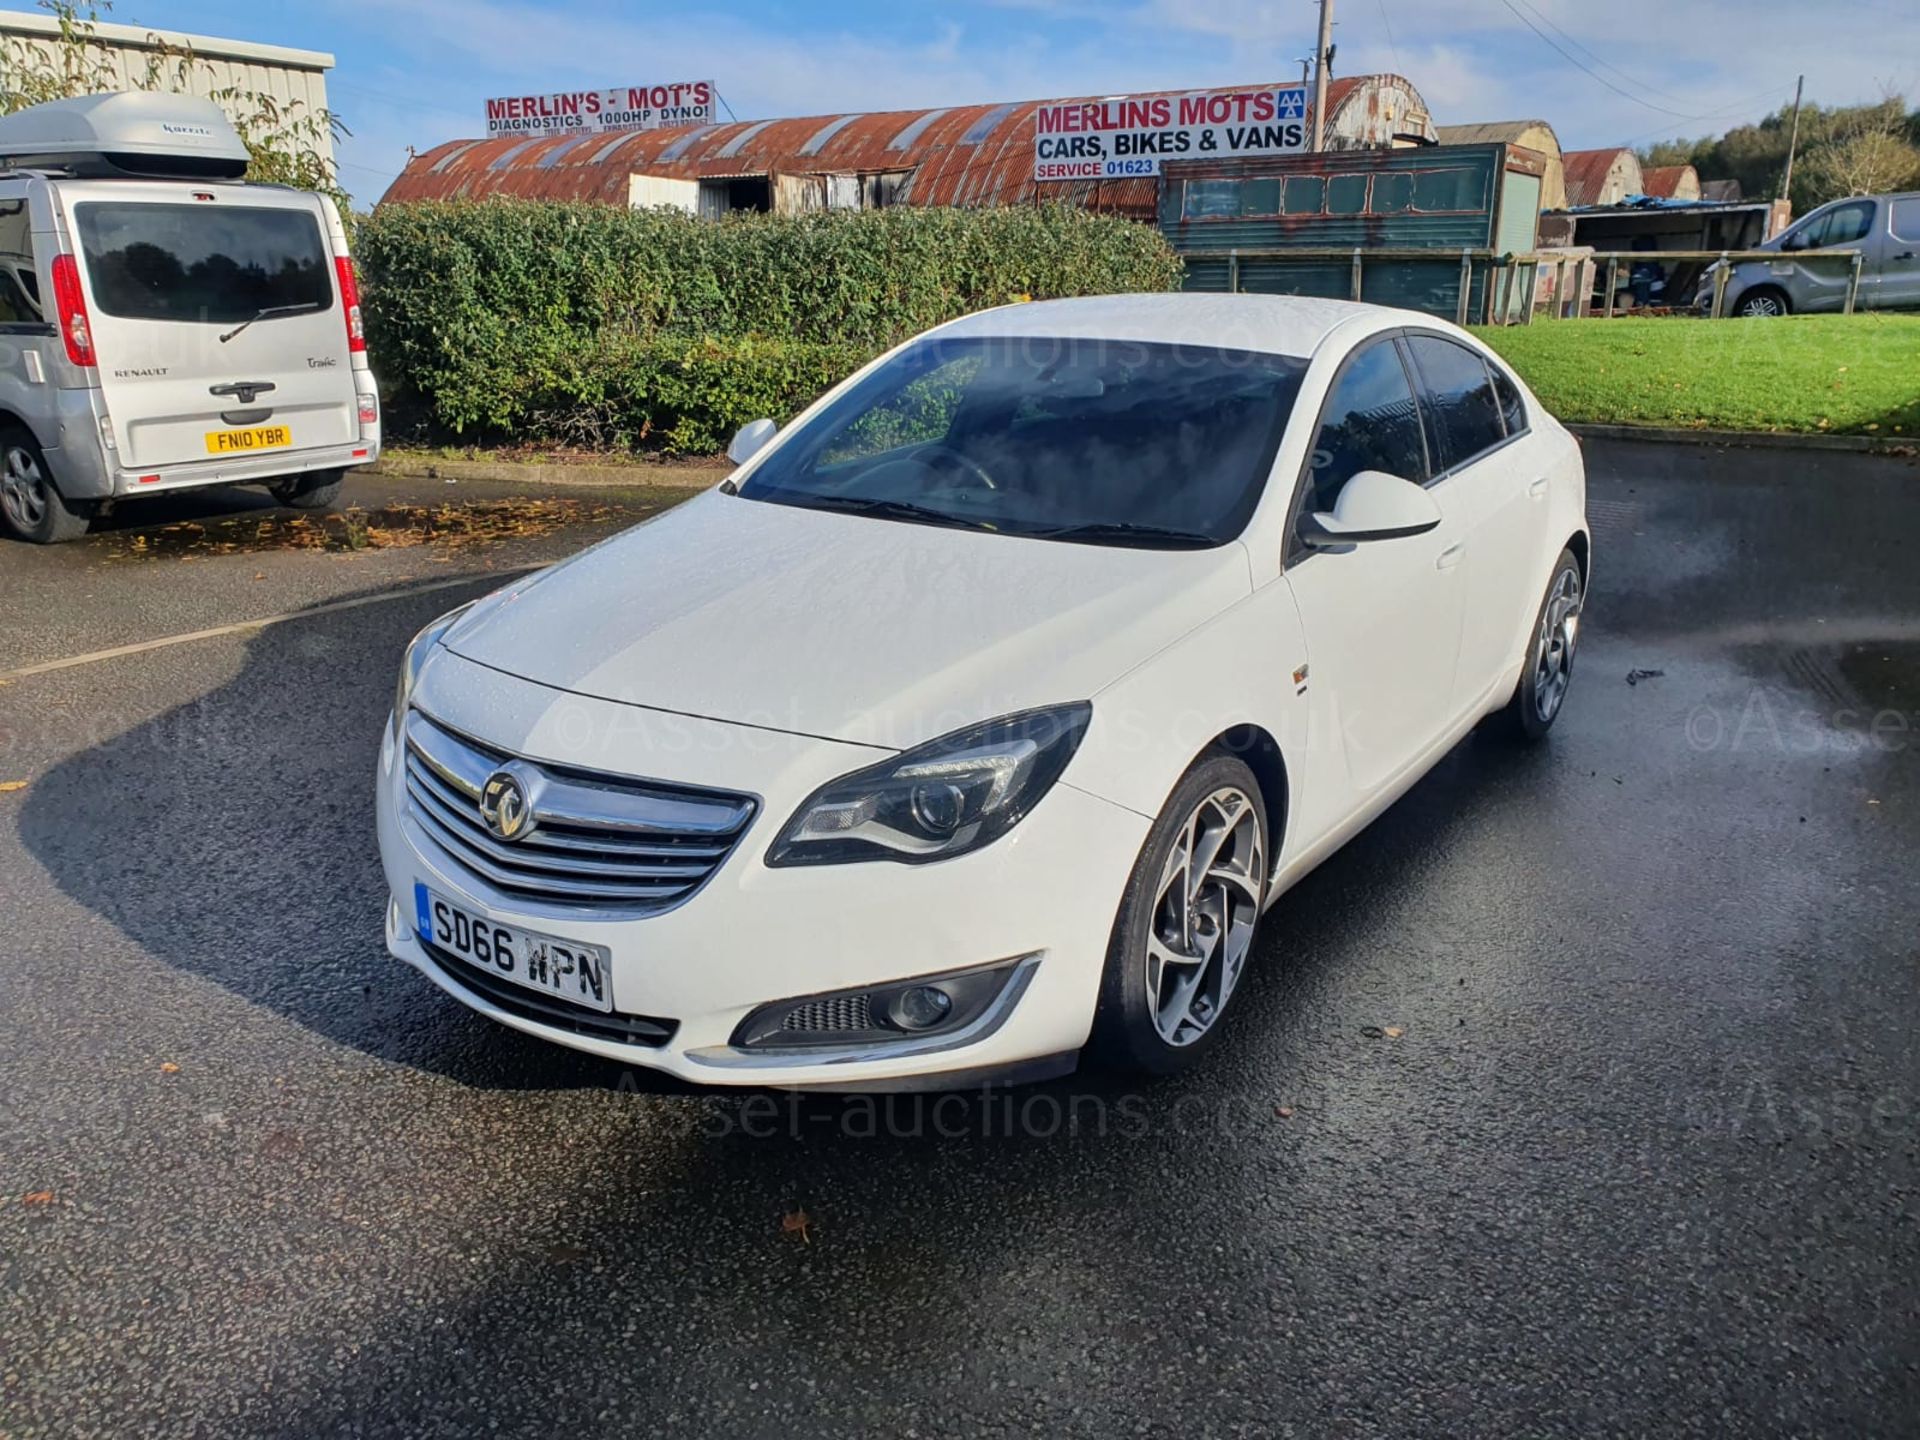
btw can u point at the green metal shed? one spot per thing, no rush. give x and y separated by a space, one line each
1362 222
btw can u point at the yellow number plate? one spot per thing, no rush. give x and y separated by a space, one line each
239 442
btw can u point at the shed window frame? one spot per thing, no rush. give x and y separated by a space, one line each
1288 183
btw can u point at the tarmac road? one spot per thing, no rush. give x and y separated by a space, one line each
1580 1095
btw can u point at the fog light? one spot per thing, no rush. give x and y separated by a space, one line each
920 1007
918 1011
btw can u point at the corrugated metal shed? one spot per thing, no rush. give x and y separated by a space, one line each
1534 135
1234 220
294 78
965 155
1671 182
1601 177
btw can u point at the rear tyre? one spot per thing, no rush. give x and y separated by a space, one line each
31 506
1764 302
1185 929
1549 665
317 491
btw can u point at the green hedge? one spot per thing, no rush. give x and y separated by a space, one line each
601 326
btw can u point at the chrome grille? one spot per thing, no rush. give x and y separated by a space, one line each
597 842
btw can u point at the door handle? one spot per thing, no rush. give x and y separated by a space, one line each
1537 488
1904 255
1449 557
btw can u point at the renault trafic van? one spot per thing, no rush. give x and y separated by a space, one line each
163 325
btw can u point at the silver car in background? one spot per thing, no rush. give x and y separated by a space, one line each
1884 229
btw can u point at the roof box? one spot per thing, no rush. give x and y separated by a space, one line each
128 133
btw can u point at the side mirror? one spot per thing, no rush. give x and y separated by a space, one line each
750 440
1373 505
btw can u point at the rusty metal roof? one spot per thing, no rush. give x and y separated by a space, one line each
1587 172
1670 182
964 155
1536 135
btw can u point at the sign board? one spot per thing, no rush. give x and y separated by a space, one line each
584 112
1128 136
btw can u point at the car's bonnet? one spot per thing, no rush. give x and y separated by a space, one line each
842 626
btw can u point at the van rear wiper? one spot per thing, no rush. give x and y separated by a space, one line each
267 313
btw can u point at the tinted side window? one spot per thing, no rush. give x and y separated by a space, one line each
1512 408
1460 400
1849 223
1370 423
1906 219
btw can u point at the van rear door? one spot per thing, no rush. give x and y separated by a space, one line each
216 319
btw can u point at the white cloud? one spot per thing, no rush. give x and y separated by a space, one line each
1722 60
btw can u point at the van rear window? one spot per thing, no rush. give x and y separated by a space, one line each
216 264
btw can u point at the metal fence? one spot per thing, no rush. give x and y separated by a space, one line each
1495 287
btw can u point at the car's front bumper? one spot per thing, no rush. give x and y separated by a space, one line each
1045 895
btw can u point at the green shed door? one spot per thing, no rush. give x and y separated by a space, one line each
1518 227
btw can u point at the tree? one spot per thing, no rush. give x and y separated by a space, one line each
286 140
1844 150
1867 153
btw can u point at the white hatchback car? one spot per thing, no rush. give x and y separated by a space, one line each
979 715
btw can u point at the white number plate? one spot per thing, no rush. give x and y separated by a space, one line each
567 969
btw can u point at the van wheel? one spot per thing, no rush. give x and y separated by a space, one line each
1764 302
33 509
309 492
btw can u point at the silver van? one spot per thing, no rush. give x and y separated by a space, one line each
1885 229
164 326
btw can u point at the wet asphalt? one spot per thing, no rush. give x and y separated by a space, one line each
1580 1095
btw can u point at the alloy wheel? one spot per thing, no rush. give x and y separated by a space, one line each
1204 915
1553 650
23 490
1763 305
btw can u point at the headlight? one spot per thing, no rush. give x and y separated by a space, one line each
418 650
943 799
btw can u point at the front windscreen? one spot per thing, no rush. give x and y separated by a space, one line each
212 263
1104 441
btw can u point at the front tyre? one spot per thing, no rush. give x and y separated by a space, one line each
317 491
1186 922
1764 302
1549 666
31 506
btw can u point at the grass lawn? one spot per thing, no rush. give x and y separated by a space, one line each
1832 374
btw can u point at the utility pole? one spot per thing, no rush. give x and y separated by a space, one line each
1320 76
1793 139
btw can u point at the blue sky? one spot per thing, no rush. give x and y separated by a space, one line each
415 72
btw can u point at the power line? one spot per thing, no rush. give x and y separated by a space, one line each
1387 25
1599 60
1593 74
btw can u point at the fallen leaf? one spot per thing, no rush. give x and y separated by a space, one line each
1284 1112
7 787
167 1067
37 1197
1394 1032
796 1220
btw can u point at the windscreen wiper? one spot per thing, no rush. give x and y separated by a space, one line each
893 510
1121 532
267 314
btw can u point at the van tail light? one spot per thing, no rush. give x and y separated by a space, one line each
350 299
369 411
72 306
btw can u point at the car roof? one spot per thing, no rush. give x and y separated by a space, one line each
1273 324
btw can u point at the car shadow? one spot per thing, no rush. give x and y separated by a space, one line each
687 1242
232 837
